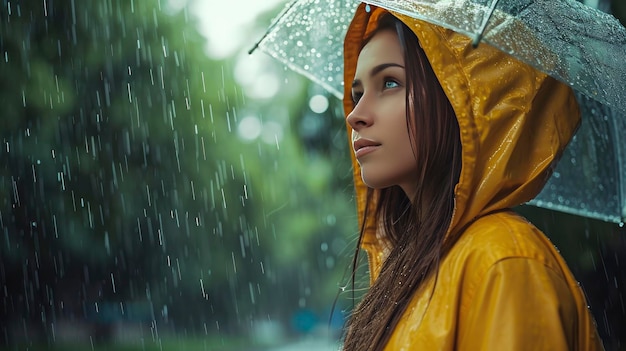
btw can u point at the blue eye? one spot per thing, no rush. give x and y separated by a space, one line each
391 84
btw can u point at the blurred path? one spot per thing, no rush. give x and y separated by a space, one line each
318 344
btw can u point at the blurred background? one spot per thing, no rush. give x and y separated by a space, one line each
161 189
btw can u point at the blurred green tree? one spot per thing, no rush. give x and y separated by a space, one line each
126 194
112 176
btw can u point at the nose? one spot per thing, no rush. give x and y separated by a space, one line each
360 117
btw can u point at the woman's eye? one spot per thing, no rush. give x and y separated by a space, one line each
390 83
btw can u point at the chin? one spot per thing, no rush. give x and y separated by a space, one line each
382 180
376 183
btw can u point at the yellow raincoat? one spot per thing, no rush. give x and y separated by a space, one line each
503 285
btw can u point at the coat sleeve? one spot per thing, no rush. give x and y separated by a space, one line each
520 304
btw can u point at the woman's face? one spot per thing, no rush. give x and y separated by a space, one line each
380 137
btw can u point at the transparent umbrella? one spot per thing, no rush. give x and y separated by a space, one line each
570 41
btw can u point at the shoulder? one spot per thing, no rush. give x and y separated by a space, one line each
505 235
504 240
501 268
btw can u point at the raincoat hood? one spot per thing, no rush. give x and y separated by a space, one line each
514 121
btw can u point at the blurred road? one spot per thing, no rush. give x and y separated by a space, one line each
318 344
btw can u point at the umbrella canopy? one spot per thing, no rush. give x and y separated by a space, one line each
574 43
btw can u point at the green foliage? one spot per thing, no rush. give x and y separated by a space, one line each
124 186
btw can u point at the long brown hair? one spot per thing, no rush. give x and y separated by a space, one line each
416 227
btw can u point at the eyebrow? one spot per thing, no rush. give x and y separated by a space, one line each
375 71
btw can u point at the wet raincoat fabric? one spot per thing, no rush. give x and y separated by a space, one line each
503 285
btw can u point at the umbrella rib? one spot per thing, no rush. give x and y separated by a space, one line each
274 23
478 37
619 159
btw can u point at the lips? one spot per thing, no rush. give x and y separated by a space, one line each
364 146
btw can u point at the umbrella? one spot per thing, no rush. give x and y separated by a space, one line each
570 41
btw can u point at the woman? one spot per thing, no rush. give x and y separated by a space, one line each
437 168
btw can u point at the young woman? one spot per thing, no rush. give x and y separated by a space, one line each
447 138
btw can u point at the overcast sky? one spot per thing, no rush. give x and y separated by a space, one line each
227 22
